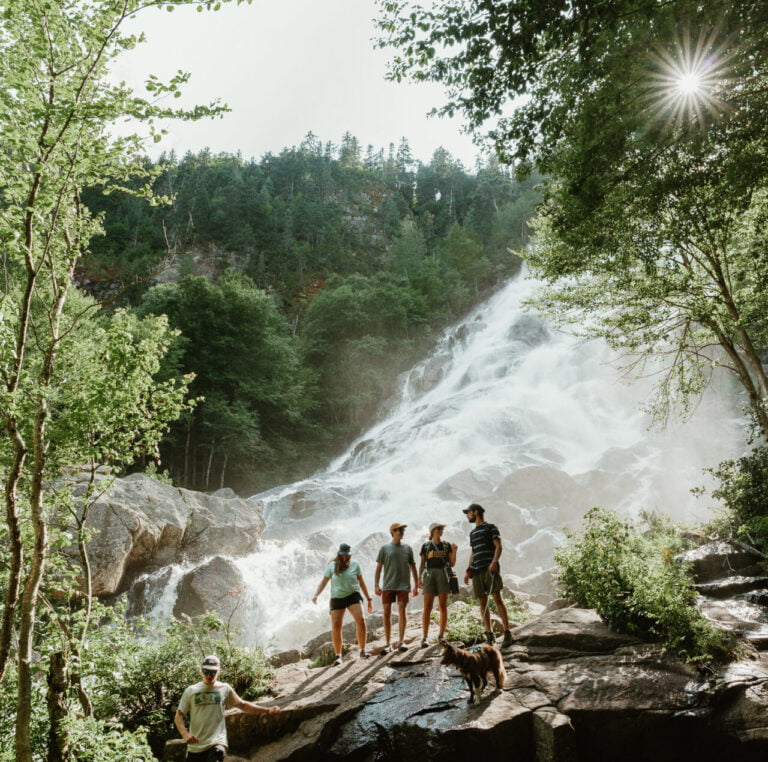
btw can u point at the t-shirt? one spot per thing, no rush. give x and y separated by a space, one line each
436 554
205 706
397 560
481 539
346 583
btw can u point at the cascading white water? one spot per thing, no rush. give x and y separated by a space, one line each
531 423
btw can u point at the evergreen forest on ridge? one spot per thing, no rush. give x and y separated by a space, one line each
329 269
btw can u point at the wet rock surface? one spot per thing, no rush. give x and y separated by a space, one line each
575 692
716 560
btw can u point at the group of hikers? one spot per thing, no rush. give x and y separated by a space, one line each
395 579
396 570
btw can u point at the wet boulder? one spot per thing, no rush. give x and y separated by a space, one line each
719 559
216 585
140 524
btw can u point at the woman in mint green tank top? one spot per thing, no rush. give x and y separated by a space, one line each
347 581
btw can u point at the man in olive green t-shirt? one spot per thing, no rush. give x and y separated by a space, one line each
396 560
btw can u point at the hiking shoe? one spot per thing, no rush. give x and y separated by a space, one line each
441 638
402 647
489 638
385 650
364 654
337 660
424 643
507 642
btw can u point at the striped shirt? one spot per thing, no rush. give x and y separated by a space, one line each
481 538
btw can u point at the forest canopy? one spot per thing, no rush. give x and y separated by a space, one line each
649 119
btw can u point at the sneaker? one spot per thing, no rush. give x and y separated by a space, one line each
507 642
364 654
337 660
489 638
441 638
424 643
402 647
387 649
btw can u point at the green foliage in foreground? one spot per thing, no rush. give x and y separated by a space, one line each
464 622
743 491
96 741
636 586
465 625
138 677
135 675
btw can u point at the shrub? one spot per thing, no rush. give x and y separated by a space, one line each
743 490
94 741
464 623
636 586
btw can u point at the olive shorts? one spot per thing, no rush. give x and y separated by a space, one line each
485 584
435 582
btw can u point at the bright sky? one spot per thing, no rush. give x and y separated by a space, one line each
287 67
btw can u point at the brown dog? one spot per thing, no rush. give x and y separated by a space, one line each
475 666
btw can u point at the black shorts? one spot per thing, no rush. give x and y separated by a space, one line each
346 602
213 754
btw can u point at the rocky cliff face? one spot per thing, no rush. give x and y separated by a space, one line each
141 525
575 692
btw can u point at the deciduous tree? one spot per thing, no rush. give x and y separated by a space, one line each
56 107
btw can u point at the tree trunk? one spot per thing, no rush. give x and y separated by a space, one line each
224 469
40 528
58 739
26 629
16 547
208 468
185 479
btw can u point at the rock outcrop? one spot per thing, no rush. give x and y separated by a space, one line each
575 692
141 525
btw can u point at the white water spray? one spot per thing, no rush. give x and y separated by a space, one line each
534 425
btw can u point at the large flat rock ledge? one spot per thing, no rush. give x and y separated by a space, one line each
575 692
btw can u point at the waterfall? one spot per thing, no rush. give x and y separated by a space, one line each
532 423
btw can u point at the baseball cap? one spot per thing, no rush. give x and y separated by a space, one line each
396 525
344 549
434 526
474 507
211 662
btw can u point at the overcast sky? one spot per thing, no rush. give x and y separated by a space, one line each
287 67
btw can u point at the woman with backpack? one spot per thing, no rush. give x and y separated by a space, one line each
346 583
435 573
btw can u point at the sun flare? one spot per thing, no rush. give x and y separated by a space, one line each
690 83
686 81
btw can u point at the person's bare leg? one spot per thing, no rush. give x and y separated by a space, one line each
403 619
336 619
485 613
502 609
387 621
428 601
442 605
360 627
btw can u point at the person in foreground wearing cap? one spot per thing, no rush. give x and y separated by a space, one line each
396 560
484 570
438 557
205 703
346 582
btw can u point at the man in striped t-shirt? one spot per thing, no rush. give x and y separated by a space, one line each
484 570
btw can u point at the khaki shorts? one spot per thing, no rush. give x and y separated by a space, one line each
485 584
435 582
